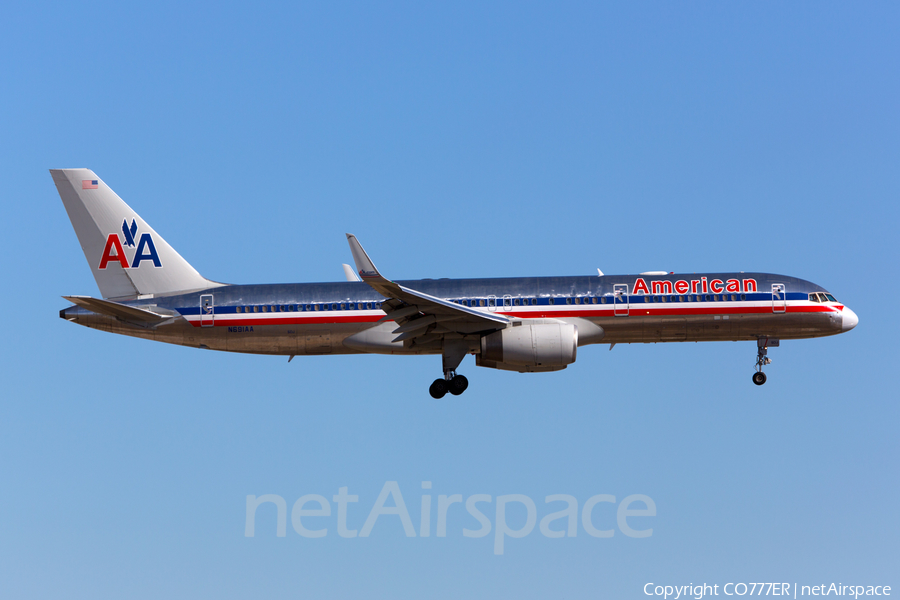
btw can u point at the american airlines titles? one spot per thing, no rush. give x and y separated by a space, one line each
694 286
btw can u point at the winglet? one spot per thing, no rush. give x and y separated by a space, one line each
364 265
349 274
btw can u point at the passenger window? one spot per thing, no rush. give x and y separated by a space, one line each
550 301
743 296
594 299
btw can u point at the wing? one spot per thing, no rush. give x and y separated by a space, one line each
421 317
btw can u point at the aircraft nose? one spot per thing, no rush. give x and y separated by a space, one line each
849 319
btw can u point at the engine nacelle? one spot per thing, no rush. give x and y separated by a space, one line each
549 346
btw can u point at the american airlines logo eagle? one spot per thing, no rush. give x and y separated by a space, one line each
114 251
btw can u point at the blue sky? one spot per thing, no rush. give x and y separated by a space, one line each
462 140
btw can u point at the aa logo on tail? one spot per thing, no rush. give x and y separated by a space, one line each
115 252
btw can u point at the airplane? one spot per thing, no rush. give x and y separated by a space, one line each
522 324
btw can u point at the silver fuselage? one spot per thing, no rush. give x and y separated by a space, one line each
320 318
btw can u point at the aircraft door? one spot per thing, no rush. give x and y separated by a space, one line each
207 311
620 299
779 298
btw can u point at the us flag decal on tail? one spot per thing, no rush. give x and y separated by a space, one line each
89 184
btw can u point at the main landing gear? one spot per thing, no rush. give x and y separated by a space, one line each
762 358
453 353
453 383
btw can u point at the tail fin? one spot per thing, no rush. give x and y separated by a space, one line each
127 257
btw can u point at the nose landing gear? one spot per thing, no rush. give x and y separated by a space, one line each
762 358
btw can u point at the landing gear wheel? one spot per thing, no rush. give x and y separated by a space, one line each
759 378
438 389
458 385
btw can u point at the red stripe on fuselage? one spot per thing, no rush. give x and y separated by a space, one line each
605 312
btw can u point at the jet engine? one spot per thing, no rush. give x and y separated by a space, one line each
530 348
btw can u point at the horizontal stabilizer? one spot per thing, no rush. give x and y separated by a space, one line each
127 313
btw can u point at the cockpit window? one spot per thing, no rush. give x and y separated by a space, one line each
830 298
814 297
